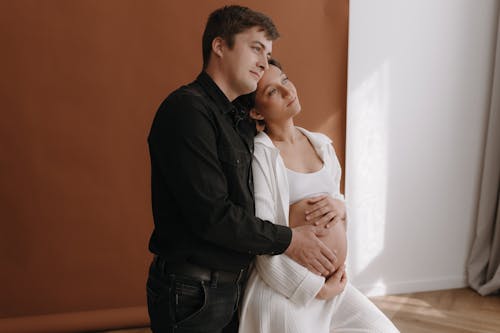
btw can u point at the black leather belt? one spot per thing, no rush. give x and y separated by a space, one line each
198 272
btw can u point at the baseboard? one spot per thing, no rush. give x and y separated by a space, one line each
84 321
403 287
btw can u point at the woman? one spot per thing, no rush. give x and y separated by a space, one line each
296 172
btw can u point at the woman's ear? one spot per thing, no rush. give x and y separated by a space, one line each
254 114
217 46
260 124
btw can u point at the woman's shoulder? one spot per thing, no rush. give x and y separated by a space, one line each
263 141
264 149
316 138
262 137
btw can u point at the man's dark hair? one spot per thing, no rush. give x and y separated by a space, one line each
228 21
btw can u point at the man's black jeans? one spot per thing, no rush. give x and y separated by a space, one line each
184 304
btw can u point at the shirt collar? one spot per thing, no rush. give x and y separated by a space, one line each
215 93
220 99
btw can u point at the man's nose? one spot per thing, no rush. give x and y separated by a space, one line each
263 63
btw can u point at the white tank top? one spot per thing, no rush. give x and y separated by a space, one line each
307 185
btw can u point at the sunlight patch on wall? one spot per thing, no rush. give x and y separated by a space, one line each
367 156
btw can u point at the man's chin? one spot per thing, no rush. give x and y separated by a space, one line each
248 91
250 88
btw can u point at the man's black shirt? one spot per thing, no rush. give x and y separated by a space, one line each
201 182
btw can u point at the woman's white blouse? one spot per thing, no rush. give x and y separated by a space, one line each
272 196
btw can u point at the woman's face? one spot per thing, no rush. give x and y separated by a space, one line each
276 97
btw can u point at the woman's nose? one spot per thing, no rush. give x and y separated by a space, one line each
286 91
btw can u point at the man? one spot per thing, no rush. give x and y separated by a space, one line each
206 233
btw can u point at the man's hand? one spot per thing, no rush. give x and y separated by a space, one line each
325 211
309 251
334 285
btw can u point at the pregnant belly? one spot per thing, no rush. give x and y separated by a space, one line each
335 239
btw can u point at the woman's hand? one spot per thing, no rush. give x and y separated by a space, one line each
334 285
325 210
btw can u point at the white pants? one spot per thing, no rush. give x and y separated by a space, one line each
348 312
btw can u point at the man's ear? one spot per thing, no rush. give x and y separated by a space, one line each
254 114
218 45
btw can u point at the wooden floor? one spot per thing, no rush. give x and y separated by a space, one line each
444 311
457 310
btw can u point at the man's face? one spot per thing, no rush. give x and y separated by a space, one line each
245 63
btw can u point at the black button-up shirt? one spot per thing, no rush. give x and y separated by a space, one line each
201 182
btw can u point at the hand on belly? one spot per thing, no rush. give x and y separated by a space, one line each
335 239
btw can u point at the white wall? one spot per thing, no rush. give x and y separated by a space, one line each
419 87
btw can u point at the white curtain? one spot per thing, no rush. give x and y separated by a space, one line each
484 261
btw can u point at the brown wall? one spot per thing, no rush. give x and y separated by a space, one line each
80 83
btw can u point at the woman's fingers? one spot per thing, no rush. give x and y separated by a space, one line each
320 211
336 277
325 219
339 273
336 219
317 206
314 200
344 277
